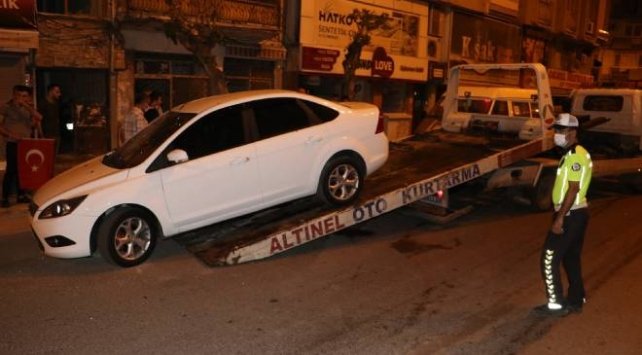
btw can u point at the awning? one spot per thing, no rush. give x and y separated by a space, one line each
267 50
18 25
18 39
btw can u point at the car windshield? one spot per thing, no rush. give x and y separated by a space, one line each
140 146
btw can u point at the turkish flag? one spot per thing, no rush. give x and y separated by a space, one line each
35 162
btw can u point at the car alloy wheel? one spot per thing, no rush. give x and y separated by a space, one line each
127 236
132 238
341 181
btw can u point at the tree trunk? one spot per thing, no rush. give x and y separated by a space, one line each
216 83
350 65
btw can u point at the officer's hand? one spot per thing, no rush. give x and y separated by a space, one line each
556 228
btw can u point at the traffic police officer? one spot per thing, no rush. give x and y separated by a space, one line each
564 241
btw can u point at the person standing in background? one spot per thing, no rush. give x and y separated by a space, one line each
134 121
49 108
17 120
155 108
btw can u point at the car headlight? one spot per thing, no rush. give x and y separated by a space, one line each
61 208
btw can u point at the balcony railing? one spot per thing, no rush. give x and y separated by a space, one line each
241 12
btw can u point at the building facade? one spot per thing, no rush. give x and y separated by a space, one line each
392 68
18 43
102 52
622 57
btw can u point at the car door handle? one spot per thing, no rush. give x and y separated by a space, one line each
313 140
240 160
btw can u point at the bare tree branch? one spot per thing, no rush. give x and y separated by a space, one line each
193 24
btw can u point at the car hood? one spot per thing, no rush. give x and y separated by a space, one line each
81 178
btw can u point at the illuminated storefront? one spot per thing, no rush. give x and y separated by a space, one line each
391 66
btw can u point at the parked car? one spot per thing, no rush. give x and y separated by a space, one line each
207 161
501 109
622 133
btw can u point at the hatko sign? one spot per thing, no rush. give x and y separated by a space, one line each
396 50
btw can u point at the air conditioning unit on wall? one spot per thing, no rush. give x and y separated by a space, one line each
434 49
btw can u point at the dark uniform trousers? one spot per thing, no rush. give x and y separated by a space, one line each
11 180
565 249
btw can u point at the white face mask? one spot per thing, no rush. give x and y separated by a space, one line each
560 140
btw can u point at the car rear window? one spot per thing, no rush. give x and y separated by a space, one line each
324 113
521 109
611 103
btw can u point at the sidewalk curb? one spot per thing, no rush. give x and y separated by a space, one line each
15 212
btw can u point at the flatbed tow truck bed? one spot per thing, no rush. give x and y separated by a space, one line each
416 168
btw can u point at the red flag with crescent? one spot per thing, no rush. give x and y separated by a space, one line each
35 162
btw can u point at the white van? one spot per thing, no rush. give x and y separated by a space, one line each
623 108
501 109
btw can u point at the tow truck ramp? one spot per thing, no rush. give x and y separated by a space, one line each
417 168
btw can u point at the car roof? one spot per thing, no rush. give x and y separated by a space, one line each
606 91
206 103
497 92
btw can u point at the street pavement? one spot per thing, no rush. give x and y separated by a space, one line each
394 285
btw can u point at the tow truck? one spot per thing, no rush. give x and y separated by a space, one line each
419 168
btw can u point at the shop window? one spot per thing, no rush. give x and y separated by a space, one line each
246 74
178 78
394 97
435 22
72 7
188 89
84 108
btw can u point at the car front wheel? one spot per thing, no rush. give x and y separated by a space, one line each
341 181
127 236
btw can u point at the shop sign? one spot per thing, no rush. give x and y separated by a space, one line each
382 63
18 14
319 59
327 28
477 40
561 79
436 70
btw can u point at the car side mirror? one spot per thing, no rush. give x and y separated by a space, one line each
177 156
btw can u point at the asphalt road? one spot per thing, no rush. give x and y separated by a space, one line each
396 285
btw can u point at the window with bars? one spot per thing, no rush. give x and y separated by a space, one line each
247 74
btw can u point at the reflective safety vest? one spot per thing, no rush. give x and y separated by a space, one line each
575 165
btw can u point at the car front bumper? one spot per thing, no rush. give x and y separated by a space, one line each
64 237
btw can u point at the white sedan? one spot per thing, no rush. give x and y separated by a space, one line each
207 161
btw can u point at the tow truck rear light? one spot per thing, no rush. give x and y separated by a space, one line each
380 125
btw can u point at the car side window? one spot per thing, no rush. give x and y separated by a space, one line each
500 108
278 116
480 105
603 103
218 131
